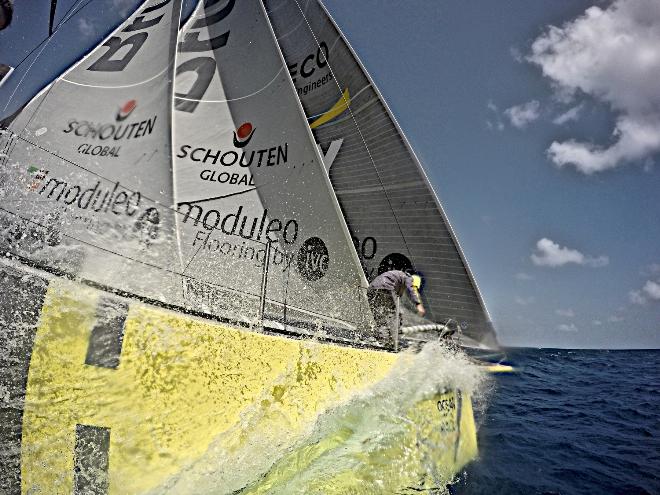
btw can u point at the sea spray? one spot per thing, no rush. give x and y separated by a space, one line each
372 441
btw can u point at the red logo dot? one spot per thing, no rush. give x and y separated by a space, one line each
128 106
244 131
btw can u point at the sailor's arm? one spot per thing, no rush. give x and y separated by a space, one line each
415 298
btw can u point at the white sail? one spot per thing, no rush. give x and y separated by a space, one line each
256 211
86 165
394 216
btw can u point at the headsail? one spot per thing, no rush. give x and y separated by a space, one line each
250 186
393 213
86 165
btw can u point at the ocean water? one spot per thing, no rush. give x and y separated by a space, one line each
570 422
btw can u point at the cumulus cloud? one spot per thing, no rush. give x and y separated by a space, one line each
615 319
613 55
636 297
569 115
123 6
549 253
522 115
652 289
496 123
596 323
85 27
654 268
567 313
523 276
523 301
570 327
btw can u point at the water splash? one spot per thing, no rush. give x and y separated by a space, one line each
374 441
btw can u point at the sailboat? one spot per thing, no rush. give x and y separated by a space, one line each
185 304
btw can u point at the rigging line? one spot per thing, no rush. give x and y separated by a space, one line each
151 265
45 92
218 197
57 27
174 210
66 16
389 202
192 258
293 29
45 44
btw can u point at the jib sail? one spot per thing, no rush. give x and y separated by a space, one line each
256 211
391 210
86 165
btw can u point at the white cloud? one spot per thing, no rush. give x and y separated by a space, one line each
551 254
652 289
596 323
123 6
570 327
497 123
613 55
523 276
85 27
569 115
516 54
567 313
523 301
636 297
615 319
649 270
522 115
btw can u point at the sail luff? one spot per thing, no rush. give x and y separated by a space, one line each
325 177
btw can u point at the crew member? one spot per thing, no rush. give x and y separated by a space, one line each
383 294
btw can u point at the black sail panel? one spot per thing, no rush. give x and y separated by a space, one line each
390 207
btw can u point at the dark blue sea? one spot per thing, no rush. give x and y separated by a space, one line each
570 422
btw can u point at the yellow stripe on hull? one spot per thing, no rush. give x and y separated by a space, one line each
185 387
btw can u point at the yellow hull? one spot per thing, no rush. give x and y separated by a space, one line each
191 399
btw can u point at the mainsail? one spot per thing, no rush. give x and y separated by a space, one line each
256 208
86 165
391 209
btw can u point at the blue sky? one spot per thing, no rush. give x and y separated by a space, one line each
538 123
